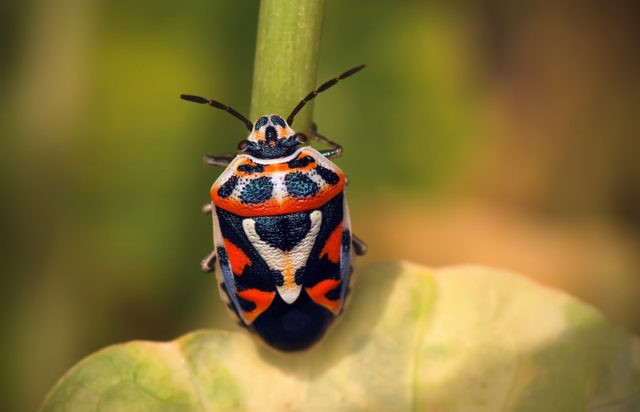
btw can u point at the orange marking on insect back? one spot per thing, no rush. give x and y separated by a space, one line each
270 169
288 273
333 246
318 293
260 298
276 167
275 207
237 258
284 167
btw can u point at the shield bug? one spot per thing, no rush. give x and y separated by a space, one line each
281 229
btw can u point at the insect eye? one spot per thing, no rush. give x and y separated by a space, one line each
242 146
301 137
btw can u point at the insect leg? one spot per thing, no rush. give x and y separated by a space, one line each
207 264
207 208
219 160
334 150
358 245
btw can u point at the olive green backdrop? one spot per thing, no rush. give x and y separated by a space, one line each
492 132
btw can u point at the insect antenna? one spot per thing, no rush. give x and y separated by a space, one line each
324 86
233 112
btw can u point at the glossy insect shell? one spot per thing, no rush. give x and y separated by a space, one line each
283 240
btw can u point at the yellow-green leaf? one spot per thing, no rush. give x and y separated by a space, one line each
463 338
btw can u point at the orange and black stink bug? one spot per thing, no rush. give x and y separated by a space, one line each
281 230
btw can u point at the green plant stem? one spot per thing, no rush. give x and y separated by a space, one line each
286 59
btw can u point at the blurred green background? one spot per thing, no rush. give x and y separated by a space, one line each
493 132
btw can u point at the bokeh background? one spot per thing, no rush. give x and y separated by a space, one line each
493 132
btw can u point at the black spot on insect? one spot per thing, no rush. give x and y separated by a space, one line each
346 240
300 185
300 162
270 134
227 188
257 190
222 256
261 122
229 305
246 305
299 277
250 168
328 176
277 277
334 294
278 120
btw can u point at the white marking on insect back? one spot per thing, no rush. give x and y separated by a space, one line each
279 188
316 178
273 161
286 262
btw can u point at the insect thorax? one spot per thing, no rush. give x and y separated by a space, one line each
302 181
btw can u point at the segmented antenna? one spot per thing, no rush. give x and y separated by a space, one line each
218 105
324 86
